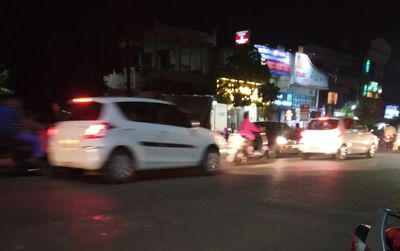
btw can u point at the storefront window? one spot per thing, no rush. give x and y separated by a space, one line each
302 100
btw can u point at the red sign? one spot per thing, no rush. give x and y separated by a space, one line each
277 66
242 37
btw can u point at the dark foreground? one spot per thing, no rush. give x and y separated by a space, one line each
286 204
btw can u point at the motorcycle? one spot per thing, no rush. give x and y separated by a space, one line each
388 142
381 236
240 149
16 158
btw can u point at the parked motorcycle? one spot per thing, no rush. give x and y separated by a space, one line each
240 149
384 235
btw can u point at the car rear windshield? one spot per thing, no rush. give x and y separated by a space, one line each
82 111
326 124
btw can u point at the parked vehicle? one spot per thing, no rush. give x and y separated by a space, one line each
240 149
122 135
383 235
338 137
281 138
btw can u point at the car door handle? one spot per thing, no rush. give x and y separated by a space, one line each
164 132
129 129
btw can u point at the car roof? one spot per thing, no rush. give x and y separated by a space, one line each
108 100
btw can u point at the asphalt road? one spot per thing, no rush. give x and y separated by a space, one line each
285 204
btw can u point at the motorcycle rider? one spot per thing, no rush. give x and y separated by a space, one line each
247 130
389 132
15 126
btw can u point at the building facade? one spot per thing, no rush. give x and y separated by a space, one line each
177 60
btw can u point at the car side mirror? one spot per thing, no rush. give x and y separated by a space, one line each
195 123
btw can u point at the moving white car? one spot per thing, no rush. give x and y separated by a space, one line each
121 135
338 137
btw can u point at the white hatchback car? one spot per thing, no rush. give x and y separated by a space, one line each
338 137
120 135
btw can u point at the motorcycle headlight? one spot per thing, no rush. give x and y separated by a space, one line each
281 140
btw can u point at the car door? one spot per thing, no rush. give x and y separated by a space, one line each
350 135
362 137
355 137
142 133
178 138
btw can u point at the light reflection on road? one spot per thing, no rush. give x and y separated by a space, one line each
87 216
322 180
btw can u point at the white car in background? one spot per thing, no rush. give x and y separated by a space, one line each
338 137
121 135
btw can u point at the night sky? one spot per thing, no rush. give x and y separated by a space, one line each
56 47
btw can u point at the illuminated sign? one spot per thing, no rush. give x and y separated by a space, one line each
242 37
372 90
391 111
306 74
332 98
284 99
278 61
289 114
367 66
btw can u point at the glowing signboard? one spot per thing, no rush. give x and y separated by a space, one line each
278 61
306 74
242 37
391 111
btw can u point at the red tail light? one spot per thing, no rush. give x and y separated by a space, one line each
52 131
96 131
82 100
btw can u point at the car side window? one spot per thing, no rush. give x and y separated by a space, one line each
170 115
138 111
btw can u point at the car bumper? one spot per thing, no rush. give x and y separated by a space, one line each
319 148
87 158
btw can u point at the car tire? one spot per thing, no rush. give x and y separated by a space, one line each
341 153
371 151
120 167
211 162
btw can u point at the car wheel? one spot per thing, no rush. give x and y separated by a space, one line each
211 162
371 152
120 167
341 153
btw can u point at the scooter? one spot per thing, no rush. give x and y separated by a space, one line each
240 149
381 236
388 142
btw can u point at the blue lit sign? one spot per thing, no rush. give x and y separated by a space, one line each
278 61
